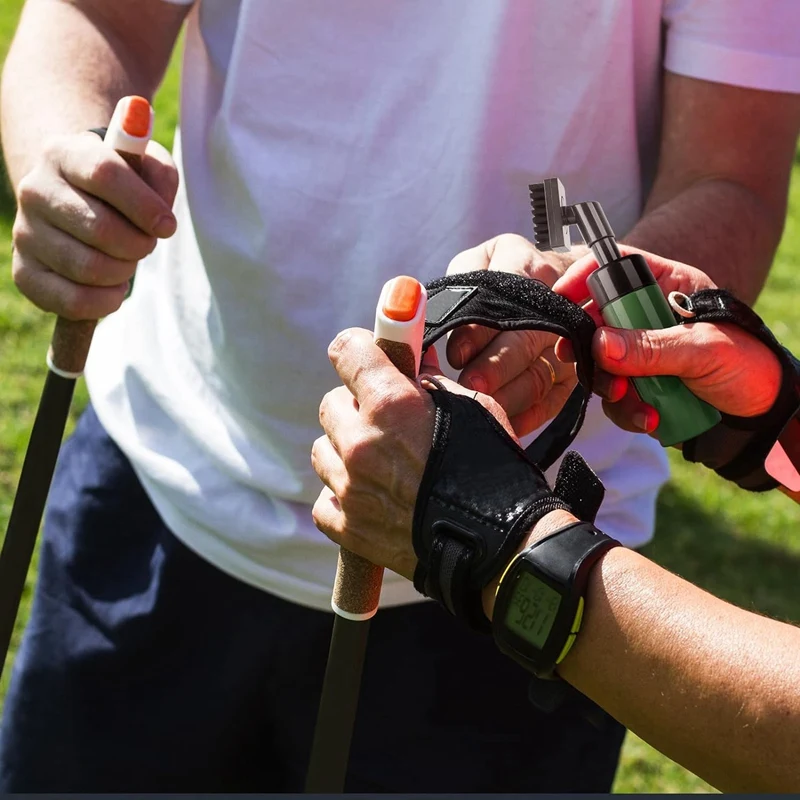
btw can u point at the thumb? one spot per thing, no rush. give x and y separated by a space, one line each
640 353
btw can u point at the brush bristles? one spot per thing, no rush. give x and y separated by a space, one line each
547 203
541 231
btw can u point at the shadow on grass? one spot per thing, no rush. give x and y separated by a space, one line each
708 551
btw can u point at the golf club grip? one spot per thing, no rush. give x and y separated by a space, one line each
69 347
357 588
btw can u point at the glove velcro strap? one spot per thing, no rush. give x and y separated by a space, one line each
509 302
579 487
480 495
737 447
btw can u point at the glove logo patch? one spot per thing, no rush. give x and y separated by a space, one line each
443 304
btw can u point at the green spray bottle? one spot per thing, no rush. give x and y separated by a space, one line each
628 296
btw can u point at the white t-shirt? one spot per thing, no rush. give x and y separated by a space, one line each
326 147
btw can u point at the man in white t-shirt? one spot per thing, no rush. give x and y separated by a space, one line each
181 620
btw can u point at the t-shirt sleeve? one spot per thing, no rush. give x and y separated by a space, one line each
749 43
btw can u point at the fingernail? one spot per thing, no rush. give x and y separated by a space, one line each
646 420
610 387
465 353
619 388
339 342
478 384
564 352
614 345
165 226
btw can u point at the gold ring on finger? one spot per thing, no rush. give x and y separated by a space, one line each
550 368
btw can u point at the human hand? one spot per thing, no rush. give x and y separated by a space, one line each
512 366
721 364
378 433
84 220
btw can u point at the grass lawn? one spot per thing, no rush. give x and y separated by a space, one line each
743 548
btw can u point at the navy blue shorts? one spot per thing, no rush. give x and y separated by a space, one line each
144 668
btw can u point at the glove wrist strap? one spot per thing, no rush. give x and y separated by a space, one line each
738 448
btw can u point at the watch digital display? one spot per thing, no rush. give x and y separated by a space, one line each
532 610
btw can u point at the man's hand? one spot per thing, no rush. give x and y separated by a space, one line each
721 364
84 220
378 432
513 366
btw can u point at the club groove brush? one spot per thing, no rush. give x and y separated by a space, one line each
628 296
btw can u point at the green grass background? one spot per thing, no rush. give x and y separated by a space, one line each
743 548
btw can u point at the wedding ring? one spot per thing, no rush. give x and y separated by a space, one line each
551 368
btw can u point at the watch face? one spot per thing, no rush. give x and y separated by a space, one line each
532 610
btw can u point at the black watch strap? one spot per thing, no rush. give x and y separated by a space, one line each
566 557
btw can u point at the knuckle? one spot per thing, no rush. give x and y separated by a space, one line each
148 244
21 234
356 456
387 401
324 405
86 302
345 491
315 453
711 347
140 248
98 224
28 191
21 274
649 350
540 384
373 508
382 400
513 240
710 337
322 520
328 407
338 345
77 303
534 343
53 149
102 171
494 371
92 267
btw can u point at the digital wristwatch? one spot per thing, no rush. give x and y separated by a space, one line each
539 603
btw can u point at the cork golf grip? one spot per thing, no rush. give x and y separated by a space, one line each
69 347
357 588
